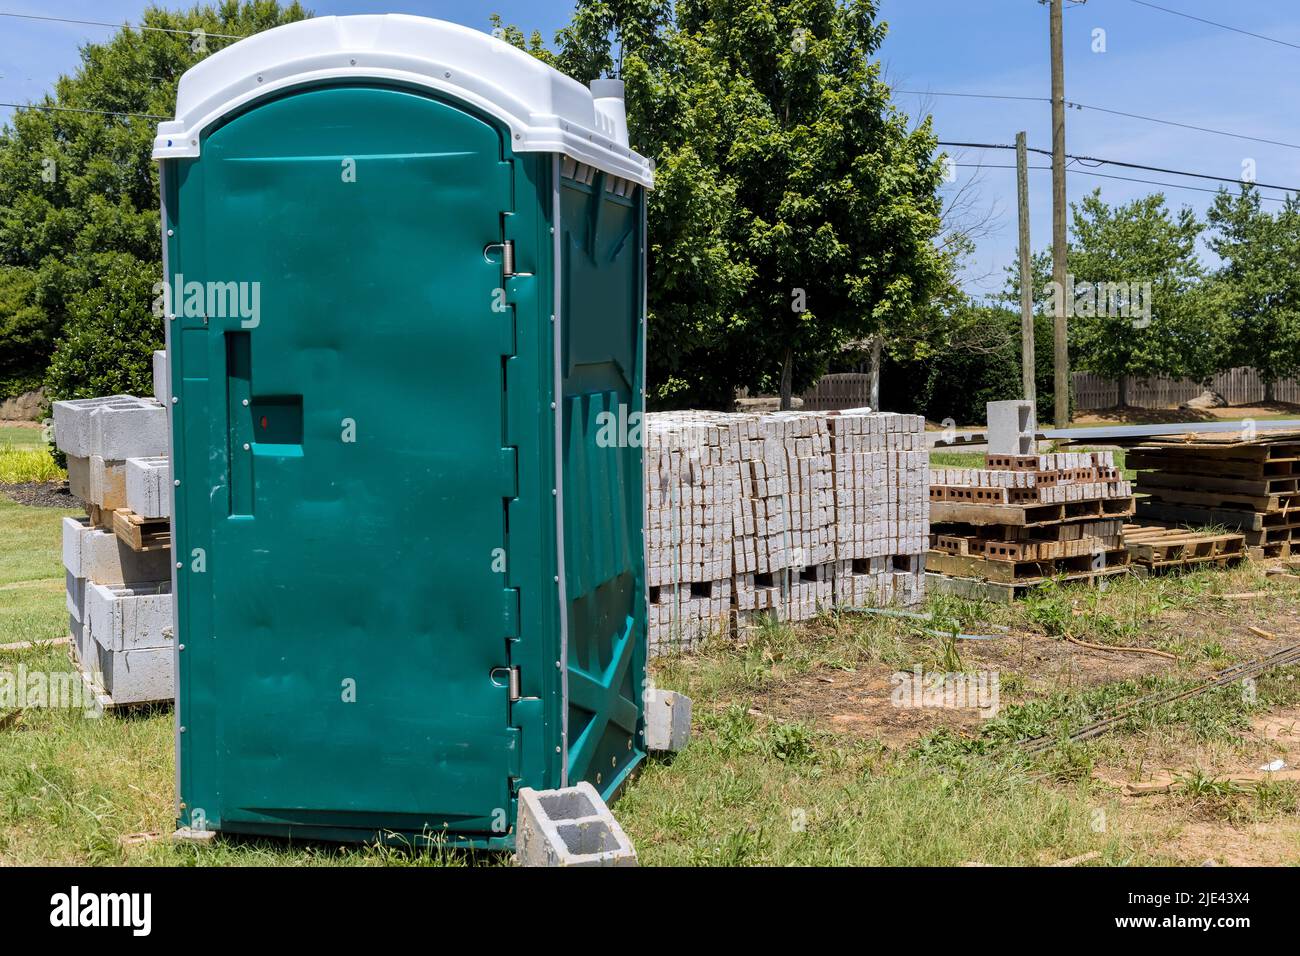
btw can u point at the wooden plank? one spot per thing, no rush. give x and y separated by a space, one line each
142 534
1022 572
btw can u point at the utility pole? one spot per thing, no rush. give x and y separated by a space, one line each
1027 362
1059 269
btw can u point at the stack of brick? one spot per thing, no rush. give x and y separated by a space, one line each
880 463
813 509
118 595
691 487
1025 518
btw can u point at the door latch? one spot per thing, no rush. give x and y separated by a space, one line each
511 675
507 248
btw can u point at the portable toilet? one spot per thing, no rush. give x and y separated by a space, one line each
406 338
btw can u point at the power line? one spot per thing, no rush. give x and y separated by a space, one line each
1221 26
73 109
1104 109
105 23
1089 172
1126 165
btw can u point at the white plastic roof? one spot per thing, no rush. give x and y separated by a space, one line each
546 111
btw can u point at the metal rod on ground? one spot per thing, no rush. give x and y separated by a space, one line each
1229 675
1027 360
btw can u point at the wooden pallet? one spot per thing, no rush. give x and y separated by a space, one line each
1030 549
1002 593
1003 571
1241 519
1159 546
1028 516
142 534
1220 499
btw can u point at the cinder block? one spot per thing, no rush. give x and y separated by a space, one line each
138 676
123 617
76 595
82 645
107 483
569 827
79 476
148 487
161 385
121 431
1011 428
73 529
102 557
115 428
667 720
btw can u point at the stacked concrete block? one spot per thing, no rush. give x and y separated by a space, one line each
148 487
119 605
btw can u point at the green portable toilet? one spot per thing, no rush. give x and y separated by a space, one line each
405 338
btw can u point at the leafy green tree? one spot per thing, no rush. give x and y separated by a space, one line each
1257 288
1137 305
794 211
79 202
1135 272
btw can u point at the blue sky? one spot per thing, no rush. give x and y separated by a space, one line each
1155 64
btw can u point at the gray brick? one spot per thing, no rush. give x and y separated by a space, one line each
123 617
138 676
667 720
148 487
161 385
569 827
102 557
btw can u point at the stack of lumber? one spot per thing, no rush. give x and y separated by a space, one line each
1000 530
782 514
1158 547
1227 480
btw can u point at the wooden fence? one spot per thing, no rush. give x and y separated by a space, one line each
1240 386
838 391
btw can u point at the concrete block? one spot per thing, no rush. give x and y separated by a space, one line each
122 617
135 430
107 483
72 421
569 827
667 720
187 835
82 646
139 676
73 529
162 391
148 487
1011 428
102 557
76 595
79 476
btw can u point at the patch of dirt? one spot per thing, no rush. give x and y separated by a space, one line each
861 703
42 494
1274 843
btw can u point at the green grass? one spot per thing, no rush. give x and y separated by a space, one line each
750 789
23 438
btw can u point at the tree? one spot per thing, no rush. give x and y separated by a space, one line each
1135 271
1257 287
1137 304
79 202
793 212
